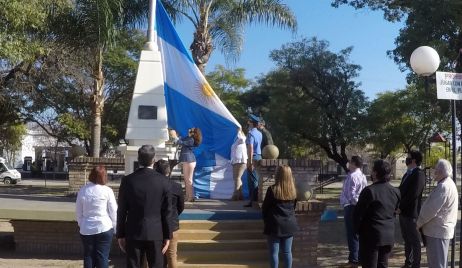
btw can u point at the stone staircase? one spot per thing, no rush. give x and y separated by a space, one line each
222 244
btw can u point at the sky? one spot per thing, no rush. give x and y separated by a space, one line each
367 31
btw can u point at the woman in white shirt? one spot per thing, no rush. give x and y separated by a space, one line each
438 216
96 211
239 162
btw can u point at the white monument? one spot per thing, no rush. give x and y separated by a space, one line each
147 120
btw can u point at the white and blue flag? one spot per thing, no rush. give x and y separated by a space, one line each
191 102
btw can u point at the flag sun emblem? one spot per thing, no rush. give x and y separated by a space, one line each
205 91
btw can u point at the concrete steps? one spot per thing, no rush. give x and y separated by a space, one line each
222 256
210 245
205 265
219 235
222 244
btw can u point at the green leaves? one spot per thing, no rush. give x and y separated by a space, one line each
24 26
404 120
314 99
219 23
74 127
11 136
229 85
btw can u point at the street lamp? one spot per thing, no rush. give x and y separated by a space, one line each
425 61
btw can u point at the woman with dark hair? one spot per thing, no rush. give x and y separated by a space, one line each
187 158
374 217
96 212
279 220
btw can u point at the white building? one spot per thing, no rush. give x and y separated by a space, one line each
37 145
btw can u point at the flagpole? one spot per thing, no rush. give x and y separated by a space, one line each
152 38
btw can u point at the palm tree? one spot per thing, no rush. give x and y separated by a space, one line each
93 26
220 23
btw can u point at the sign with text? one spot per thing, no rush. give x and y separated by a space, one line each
449 86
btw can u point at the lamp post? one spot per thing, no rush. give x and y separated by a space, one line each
425 61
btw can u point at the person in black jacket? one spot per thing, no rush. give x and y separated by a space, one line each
144 211
279 216
411 188
170 257
374 217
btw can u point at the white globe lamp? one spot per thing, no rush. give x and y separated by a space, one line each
425 61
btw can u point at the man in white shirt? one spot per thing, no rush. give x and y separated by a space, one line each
354 183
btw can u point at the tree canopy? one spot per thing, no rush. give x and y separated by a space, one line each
404 119
220 24
313 98
230 85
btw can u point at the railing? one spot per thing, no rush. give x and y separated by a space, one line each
324 180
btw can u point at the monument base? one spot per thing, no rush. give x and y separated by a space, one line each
163 151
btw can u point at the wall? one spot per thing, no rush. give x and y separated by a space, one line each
304 172
80 167
305 244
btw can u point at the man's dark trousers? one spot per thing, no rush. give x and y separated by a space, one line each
136 250
352 237
374 256
411 238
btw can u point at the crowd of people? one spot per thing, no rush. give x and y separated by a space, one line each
370 213
145 219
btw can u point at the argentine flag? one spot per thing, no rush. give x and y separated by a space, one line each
191 102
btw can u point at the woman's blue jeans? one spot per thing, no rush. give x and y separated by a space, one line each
96 249
281 245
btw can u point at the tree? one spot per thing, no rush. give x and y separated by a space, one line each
427 22
23 34
57 92
313 98
219 24
11 140
405 119
230 85
93 26
120 67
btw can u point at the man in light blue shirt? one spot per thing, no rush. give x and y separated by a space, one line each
254 139
354 183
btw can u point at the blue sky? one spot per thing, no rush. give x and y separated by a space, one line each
365 30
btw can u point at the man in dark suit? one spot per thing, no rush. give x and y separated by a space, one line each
411 188
144 212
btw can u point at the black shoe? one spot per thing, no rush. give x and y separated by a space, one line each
349 265
249 205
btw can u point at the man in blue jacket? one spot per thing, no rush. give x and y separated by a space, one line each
254 139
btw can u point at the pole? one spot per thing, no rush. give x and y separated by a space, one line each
151 34
460 225
454 172
459 61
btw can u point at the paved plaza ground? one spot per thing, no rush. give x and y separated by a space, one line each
332 249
